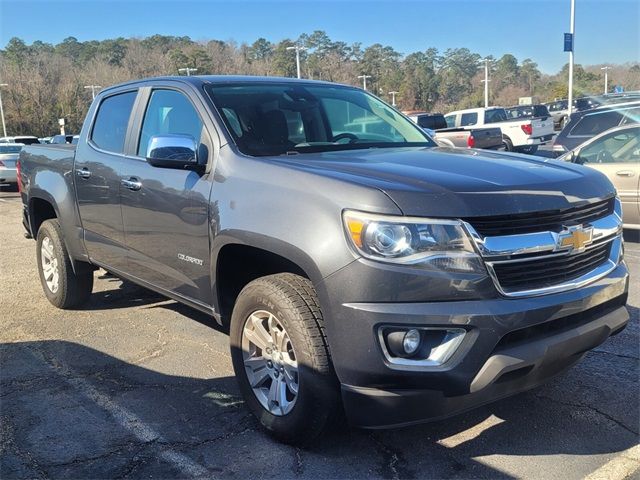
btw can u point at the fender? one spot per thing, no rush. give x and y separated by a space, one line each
272 245
56 188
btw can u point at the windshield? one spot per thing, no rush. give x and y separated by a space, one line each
276 119
10 148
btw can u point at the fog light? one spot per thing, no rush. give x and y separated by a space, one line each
411 341
420 347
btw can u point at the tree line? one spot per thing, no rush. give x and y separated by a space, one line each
46 81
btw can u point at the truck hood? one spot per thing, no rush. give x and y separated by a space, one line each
448 182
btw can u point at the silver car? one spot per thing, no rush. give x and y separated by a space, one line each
616 153
9 153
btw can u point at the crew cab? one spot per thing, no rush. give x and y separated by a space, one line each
517 135
466 137
357 266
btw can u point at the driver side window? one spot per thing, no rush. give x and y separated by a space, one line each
617 147
169 113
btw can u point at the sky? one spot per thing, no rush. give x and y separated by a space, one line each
607 31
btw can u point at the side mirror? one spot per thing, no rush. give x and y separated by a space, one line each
172 151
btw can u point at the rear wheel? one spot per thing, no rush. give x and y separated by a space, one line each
506 142
563 122
63 287
281 359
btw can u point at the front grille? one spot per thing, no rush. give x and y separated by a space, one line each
553 220
547 272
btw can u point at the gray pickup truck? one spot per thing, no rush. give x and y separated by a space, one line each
356 264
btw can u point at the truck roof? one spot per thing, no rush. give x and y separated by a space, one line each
199 80
478 109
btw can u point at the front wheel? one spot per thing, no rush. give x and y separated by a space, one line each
280 357
63 287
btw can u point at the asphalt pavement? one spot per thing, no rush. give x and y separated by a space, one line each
134 385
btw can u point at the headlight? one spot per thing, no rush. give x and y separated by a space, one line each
431 243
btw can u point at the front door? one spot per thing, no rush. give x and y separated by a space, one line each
165 211
617 155
97 170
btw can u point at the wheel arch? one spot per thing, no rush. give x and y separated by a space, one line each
236 261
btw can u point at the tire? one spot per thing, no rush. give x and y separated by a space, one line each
292 301
529 149
563 122
508 146
71 289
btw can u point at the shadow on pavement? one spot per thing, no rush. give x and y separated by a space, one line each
69 411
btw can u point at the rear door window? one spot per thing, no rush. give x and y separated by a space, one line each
112 120
594 123
494 116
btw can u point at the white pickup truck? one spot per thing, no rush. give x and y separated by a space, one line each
517 135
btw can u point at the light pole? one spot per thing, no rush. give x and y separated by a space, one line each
393 97
486 82
572 27
298 49
364 80
187 70
93 90
606 79
4 127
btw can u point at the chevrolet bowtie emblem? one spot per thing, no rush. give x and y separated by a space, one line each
575 238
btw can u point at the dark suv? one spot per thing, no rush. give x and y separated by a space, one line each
587 124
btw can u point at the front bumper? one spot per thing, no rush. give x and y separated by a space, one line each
511 345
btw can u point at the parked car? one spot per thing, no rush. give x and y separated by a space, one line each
586 103
466 137
529 111
587 124
616 153
352 266
559 110
9 153
61 139
22 139
517 135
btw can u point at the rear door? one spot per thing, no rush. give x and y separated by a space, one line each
165 211
617 155
97 169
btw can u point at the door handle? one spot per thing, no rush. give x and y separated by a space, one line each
83 172
625 173
132 183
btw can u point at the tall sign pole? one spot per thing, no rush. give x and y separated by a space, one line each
569 42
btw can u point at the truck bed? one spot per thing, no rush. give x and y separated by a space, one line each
487 138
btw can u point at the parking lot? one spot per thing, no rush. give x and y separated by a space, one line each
134 385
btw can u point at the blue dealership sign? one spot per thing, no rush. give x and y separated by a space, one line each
568 42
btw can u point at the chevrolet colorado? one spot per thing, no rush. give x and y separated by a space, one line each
356 264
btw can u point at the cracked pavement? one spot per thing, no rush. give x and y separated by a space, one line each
135 385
